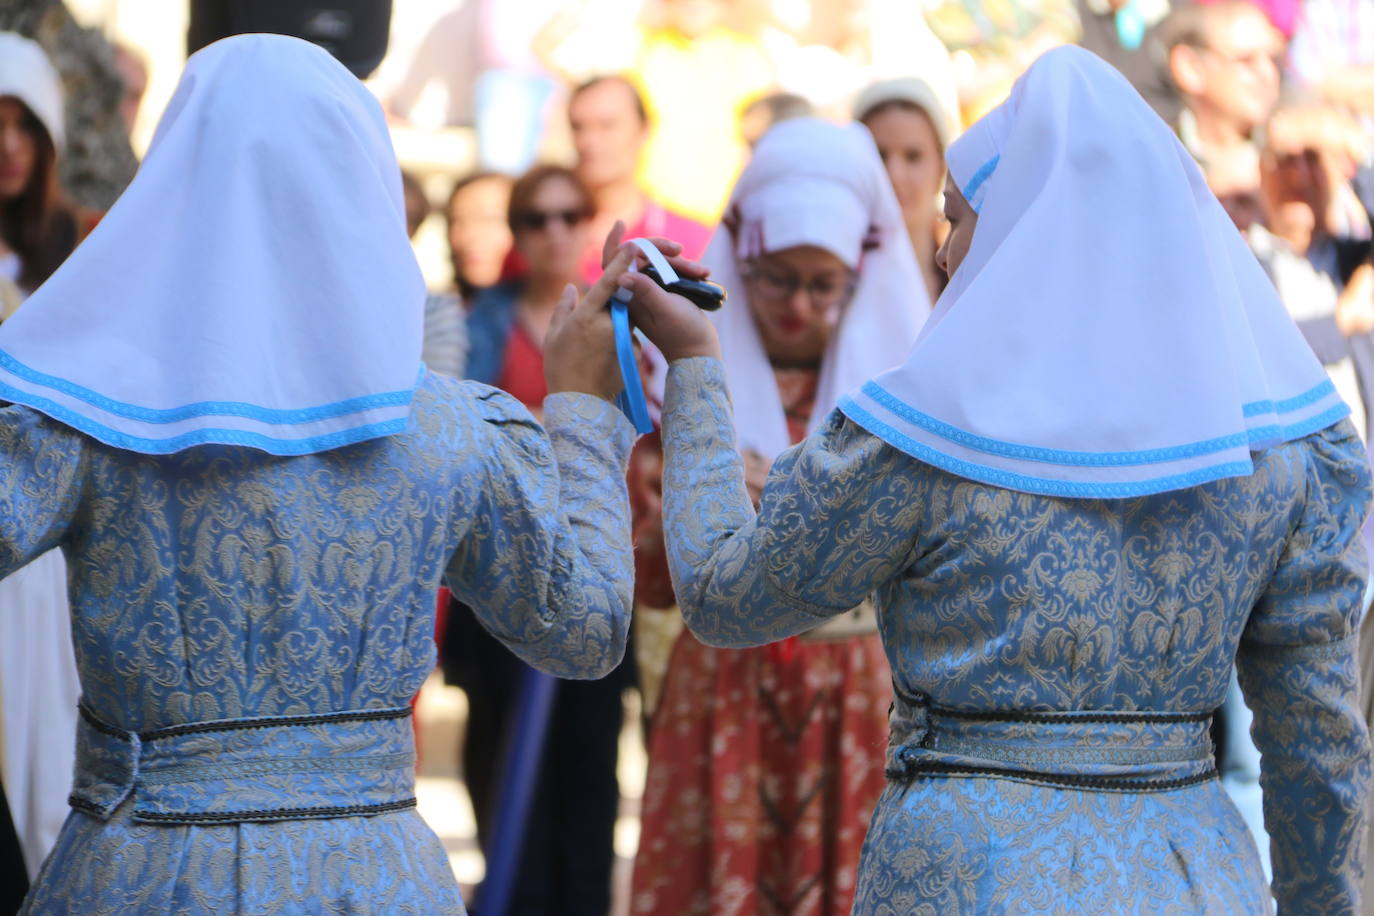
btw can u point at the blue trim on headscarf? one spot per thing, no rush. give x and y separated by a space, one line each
207 408
979 177
1255 408
274 446
969 440
1069 489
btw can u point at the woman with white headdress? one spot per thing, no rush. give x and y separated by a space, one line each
1109 469
38 684
780 745
217 411
912 131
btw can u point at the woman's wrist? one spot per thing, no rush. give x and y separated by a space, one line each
708 345
581 393
694 353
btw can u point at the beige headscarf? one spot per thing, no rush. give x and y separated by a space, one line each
28 75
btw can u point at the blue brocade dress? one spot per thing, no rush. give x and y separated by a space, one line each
1056 662
251 629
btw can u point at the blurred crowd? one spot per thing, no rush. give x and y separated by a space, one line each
588 112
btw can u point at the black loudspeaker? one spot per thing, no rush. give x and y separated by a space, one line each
354 31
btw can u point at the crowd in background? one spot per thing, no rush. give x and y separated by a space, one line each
588 112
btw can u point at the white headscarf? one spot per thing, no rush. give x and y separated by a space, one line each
1108 333
28 75
253 286
815 183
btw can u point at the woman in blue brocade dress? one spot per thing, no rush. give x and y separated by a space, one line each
1109 469
217 411
38 682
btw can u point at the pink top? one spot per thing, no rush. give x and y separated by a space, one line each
1282 13
657 220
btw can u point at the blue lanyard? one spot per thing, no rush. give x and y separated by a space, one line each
631 399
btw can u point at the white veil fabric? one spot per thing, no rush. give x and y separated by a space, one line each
815 183
253 286
1108 333
39 692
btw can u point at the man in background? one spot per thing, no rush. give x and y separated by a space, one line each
1223 59
1310 158
610 126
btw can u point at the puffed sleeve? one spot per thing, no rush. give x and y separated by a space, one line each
1299 671
546 564
42 467
839 517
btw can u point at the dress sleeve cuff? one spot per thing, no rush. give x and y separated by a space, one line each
592 423
690 380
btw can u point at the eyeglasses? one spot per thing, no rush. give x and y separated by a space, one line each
1251 60
824 291
538 220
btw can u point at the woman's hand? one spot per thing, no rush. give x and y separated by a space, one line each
678 328
1355 307
579 350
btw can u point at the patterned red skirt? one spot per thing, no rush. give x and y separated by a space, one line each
764 768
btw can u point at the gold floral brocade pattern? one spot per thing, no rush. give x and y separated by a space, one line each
994 600
224 583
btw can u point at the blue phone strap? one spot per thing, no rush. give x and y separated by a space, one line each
631 399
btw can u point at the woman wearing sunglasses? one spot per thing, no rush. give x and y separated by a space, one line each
549 209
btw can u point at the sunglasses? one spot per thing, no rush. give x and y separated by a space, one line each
538 220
